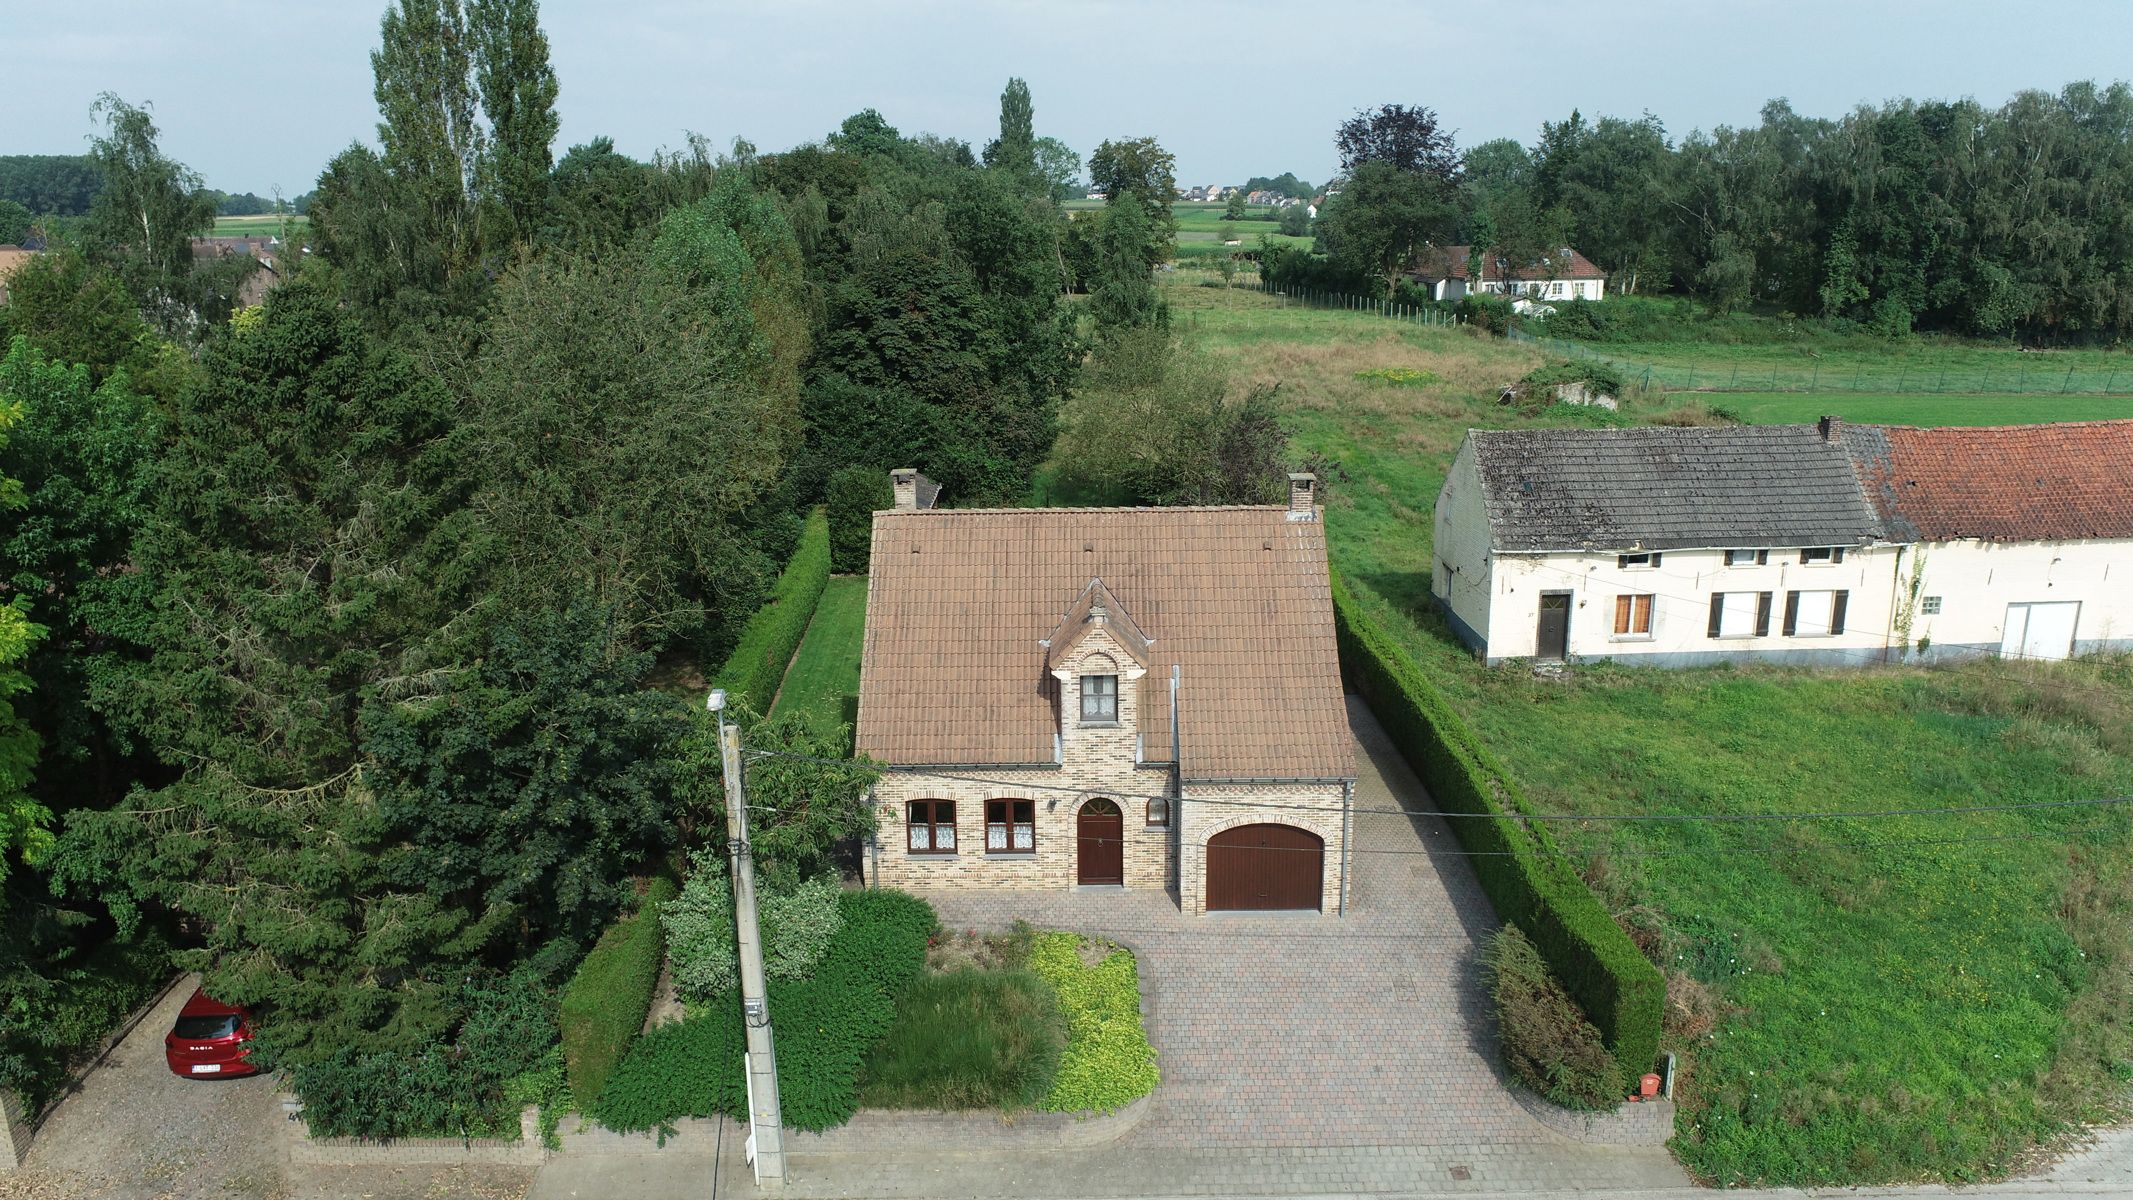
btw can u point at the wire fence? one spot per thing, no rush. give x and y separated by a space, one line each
1945 374
1391 310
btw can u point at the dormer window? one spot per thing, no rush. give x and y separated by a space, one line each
1099 699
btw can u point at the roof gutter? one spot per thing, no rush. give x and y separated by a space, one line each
1276 779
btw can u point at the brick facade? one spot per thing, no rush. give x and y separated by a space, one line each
1096 761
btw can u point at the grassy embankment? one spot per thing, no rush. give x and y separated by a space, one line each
824 675
1846 1012
1778 408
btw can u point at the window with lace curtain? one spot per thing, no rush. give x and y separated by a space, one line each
1010 827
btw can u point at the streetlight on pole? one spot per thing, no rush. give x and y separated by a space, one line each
766 1136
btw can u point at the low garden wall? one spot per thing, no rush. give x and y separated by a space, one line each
1529 880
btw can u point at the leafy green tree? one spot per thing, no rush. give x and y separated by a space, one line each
25 824
1383 219
1156 423
630 407
1015 150
1296 221
422 79
77 311
517 795
1060 169
57 185
1139 169
146 215
82 455
599 197
1284 184
1235 210
15 222
1123 296
305 555
517 87
1403 137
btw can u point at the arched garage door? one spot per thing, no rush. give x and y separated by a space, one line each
1265 867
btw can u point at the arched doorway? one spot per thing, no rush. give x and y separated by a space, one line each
1099 843
1265 867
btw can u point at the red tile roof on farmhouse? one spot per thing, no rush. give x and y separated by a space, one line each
960 601
2043 483
1450 262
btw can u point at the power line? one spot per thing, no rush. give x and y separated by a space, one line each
1020 785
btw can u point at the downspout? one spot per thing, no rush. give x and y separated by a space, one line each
1347 832
1177 796
873 870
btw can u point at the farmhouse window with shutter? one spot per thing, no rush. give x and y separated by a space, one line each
1822 556
930 827
1633 616
1740 615
1629 562
1815 614
1010 827
1747 558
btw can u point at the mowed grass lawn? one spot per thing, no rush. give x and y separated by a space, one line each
1868 365
824 674
1780 408
266 224
1893 998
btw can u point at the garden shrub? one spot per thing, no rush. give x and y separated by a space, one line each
797 926
473 1086
53 1029
854 495
1526 877
757 665
966 1039
1600 378
1547 1043
825 1026
1108 1062
606 1004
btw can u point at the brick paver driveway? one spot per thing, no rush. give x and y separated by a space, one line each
1367 1030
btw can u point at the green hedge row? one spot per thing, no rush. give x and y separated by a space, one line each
757 665
1527 877
825 1026
606 1004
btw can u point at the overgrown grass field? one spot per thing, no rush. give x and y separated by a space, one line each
1926 1005
264 224
1779 408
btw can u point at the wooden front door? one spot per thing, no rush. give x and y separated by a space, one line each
1552 639
1265 867
1100 843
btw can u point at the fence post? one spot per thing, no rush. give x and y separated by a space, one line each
1903 377
2069 381
2108 382
1817 380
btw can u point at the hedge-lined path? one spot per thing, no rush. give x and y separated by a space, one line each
1295 1030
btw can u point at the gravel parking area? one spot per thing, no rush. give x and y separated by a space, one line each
133 1131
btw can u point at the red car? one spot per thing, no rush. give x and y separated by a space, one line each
211 1038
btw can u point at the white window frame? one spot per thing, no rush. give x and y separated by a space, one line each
1827 598
1755 558
1628 562
1832 556
1086 695
1651 617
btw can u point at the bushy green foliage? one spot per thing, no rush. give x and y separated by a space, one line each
1108 1062
854 495
797 925
1525 876
53 1021
968 1039
1547 1043
1155 423
757 665
825 1026
607 1001
473 1085
1599 377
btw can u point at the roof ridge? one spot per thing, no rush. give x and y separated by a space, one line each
1119 508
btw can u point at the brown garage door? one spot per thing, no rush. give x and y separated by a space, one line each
1265 867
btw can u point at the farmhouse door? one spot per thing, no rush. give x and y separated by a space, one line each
2040 630
1265 868
1552 640
1100 844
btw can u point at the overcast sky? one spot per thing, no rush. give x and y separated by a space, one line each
253 94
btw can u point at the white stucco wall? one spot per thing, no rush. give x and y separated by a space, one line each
1681 586
1459 578
1976 581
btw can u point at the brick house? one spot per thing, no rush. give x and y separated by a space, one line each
1128 698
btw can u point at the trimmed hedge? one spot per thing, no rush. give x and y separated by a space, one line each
1526 876
825 1027
853 497
757 665
606 1004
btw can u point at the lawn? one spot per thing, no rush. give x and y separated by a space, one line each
1777 408
266 223
824 675
1873 366
1883 1012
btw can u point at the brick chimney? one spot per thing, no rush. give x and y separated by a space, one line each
913 490
1830 427
1303 496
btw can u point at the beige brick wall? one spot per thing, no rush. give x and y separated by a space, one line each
1317 807
1097 761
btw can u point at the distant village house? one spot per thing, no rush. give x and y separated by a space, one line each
1446 272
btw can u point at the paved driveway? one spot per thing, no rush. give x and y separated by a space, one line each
1301 1030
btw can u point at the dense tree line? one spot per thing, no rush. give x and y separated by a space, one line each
1928 215
328 626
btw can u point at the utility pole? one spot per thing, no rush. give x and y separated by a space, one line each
766 1138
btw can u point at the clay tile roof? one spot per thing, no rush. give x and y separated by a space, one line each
1076 623
2015 483
959 602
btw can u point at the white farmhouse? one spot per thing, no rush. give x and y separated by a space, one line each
1446 272
1826 544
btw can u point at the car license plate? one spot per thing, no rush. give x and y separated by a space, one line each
206 1068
